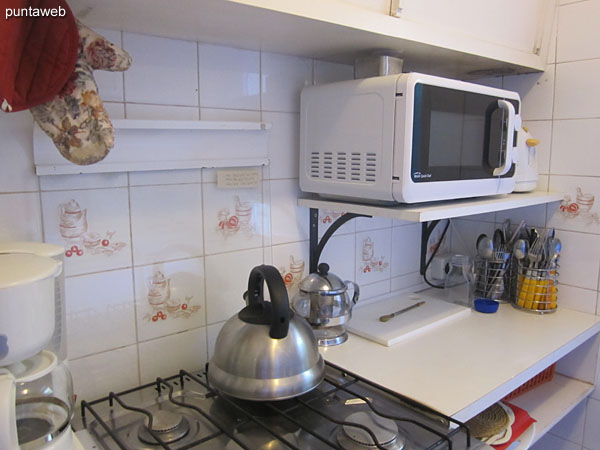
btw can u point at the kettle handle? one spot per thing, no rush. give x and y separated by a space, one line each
356 290
280 320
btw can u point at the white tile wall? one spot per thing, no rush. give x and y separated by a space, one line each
166 222
100 312
282 79
229 77
164 71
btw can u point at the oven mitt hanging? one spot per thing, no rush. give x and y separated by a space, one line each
76 119
37 54
46 65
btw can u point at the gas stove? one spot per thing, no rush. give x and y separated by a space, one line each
345 412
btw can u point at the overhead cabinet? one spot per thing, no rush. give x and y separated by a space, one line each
465 39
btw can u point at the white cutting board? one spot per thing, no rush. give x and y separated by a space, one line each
365 321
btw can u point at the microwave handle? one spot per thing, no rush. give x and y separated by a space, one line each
510 130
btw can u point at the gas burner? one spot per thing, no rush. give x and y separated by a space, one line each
385 431
169 426
257 409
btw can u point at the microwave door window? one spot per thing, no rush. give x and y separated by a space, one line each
456 135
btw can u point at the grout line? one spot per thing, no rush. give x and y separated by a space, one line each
204 277
198 78
21 192
571 61
260 84
42 227
135 316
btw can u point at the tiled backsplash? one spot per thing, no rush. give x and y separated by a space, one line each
156 261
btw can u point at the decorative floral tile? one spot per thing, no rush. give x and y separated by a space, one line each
169 297
100 312
327 217
578 210
227 280
373 255
166 222
233 218
292 260
92 225
167 355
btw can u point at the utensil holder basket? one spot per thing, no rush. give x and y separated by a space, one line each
537 290
490 277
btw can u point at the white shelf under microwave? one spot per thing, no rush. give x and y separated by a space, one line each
142 145
425 212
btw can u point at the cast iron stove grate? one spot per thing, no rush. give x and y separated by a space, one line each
344 412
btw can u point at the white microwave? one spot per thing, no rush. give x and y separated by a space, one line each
407 138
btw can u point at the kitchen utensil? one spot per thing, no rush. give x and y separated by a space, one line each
520 249
365 320
485 246
387 317
505 230
266 352
555 249
516 234
498 239
324 302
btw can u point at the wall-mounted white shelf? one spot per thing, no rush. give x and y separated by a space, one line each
142 145
425 212
552 401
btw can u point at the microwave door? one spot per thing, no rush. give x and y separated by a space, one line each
457 135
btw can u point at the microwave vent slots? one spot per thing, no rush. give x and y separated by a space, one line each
343 166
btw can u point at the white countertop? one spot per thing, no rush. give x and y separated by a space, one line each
463 366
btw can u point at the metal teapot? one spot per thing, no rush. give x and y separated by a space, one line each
266 352
324 302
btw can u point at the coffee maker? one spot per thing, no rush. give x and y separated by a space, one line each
36 391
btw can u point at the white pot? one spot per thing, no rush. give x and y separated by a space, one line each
27 305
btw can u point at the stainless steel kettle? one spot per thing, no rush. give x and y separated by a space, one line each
266 352
324 302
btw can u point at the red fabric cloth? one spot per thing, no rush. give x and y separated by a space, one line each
522 421
37 54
